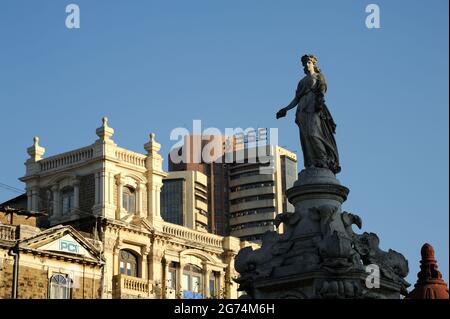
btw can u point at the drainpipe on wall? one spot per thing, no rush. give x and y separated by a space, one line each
15 253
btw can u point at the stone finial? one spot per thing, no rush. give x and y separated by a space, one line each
427 253
152 146
104 132
36 151
430 284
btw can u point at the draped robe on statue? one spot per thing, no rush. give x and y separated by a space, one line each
316 124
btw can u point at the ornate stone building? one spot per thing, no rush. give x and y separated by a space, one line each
112 196
52 263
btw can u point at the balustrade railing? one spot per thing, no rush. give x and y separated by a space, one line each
66 159
130 157
192 235
7 232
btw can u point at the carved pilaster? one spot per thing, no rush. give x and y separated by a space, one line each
56 200
119 185
76 194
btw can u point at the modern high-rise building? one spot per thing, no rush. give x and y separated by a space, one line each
190 159
246 187
258 179
184 199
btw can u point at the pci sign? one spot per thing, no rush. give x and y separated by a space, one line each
69 246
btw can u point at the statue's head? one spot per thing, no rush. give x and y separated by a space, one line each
309 62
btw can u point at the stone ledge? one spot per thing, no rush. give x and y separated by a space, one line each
311 191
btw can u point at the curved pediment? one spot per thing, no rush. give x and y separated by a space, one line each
200 254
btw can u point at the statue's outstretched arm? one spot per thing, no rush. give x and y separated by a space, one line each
283 111
293 103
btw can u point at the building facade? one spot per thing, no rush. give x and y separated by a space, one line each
113 195
258 179
184 199
190 159
56 263
247 183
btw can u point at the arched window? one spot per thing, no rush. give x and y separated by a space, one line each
60 287
129 199
192 282
128 263
67 200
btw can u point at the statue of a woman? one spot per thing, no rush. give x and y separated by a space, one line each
313 119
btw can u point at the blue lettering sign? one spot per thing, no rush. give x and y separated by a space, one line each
68 246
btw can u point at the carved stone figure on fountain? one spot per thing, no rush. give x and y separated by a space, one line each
318 255
316 125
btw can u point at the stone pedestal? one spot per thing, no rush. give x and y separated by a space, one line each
319 255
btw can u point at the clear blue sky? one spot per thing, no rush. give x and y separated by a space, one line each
157 65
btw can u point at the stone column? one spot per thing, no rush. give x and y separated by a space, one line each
119 184
223 286
110 257
157 201
179 288
103 187
229 272
100 179
151 202
106 196
29 199
156 255
97 189
165 286
164 277
99 206
116 252
35 199
149 274
76 194
56 206
139 200
206 270
111 186
144 262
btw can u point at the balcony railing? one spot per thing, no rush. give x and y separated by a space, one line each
131 287
86 153
7 232
129 157
66 159
184 233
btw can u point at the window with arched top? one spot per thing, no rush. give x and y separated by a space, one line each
192 282
67 200
128 263
60 287
129 199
